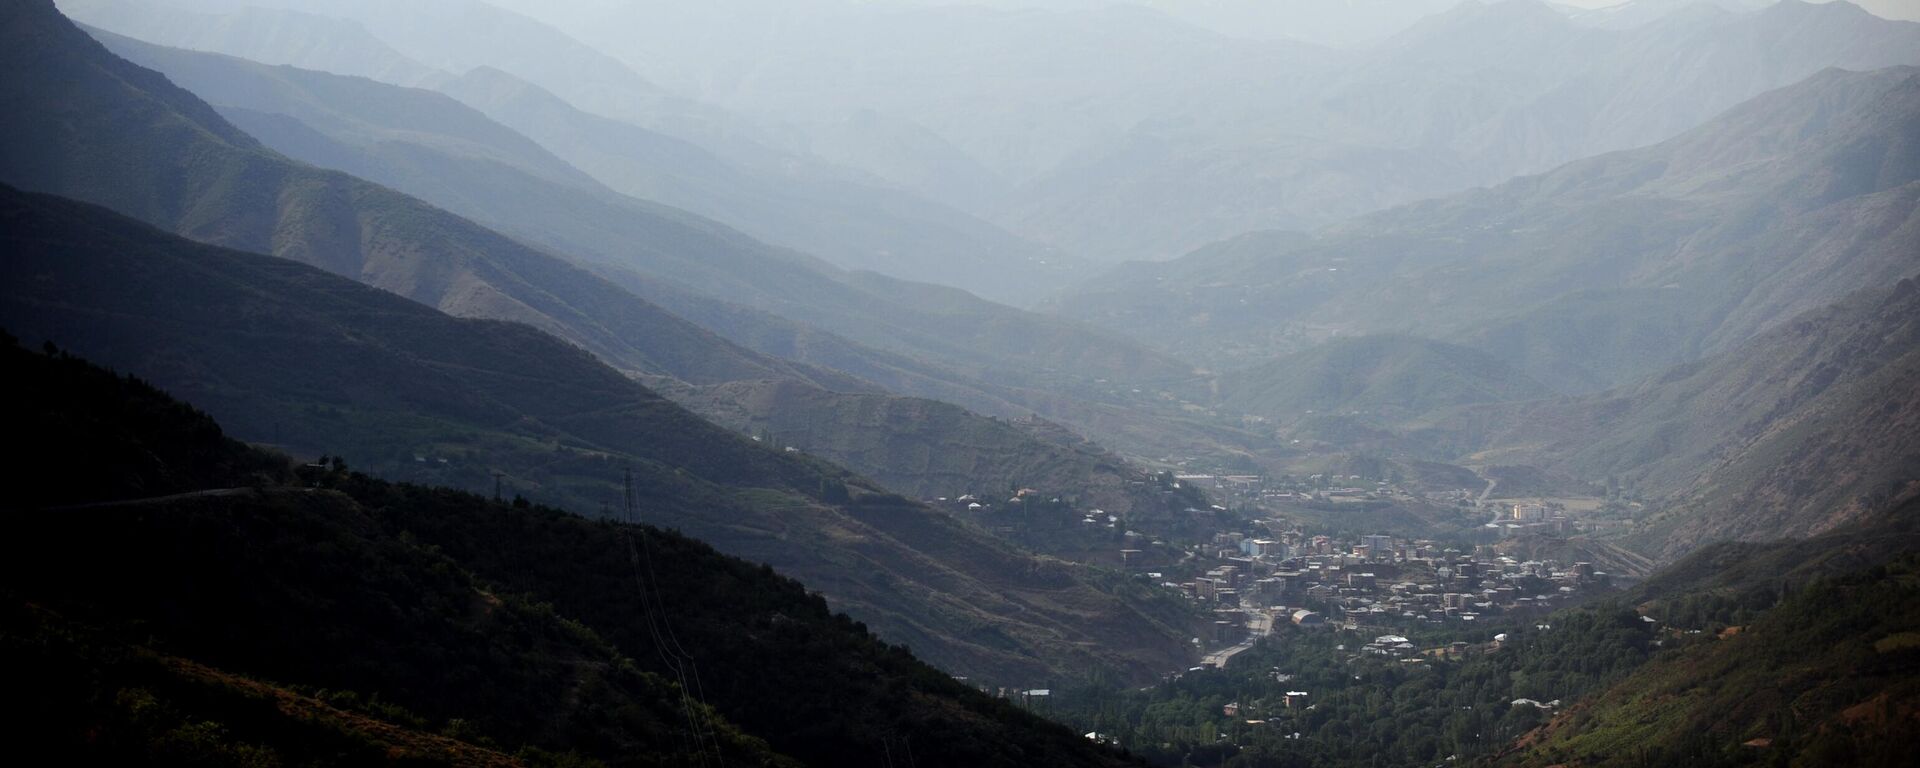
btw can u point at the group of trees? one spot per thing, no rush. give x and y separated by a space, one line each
1367 710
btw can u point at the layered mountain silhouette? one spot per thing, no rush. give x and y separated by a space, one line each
1598 273
1165 137
602 117
290 355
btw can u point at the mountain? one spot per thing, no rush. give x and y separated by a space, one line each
1116 132
425 145
98 128
852 223
1596 274
268 35
989 358
1822 663
447 36
325 365
1636 13
1466 98
405 131
1800 430
314 616
1347 23
782 198
1387 376
439 147
927 449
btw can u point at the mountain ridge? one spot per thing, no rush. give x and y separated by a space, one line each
326 365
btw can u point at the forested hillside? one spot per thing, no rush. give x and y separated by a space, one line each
308 615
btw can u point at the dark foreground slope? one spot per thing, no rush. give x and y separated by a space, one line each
1815 662
319 617
287 354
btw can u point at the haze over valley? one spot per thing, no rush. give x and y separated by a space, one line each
962 382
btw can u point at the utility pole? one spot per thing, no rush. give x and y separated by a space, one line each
627 510
497 474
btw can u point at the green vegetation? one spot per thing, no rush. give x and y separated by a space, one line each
1807 646
1365 710
1827 677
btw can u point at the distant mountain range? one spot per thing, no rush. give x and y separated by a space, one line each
912 339
624 131
1164 137
425 144
1595 274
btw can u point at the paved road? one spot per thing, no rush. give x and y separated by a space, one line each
1259 625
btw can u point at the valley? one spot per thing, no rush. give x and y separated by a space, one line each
961 382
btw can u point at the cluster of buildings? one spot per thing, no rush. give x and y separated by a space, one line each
1256 490
1534 518
1374 581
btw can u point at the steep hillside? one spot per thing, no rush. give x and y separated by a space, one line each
407 625
1802 429
94 127
853 223
269 35
1386 377
427 148
320 364
1596 274
422 143
1824 678
928 449
686 155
